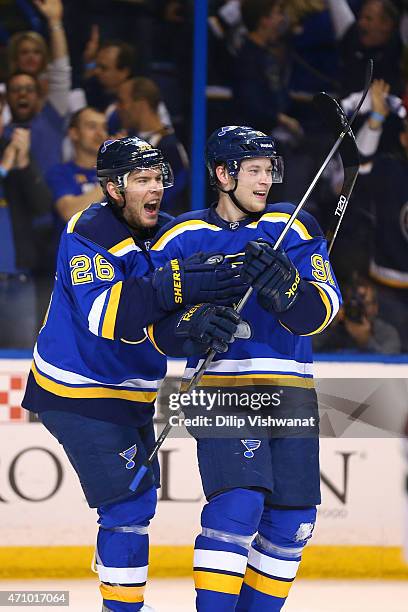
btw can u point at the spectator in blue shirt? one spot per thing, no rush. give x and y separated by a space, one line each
44 122
74 184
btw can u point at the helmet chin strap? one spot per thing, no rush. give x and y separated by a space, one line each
237 203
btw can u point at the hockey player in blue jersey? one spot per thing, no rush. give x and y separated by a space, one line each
95 374
263 485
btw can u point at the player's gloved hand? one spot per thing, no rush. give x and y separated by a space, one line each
206 326
199 278
273 274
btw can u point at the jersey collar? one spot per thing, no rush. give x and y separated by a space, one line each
232 226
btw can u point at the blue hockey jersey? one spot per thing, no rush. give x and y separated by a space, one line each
91 356
274 355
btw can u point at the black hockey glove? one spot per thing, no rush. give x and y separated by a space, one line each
191 281
207 327
273 274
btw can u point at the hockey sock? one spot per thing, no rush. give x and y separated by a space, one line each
274 558
228 522
122 551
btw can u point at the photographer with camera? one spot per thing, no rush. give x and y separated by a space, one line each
357 326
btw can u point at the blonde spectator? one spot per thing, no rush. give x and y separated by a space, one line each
28 52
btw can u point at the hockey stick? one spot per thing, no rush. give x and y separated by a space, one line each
193 382
341 206
337 120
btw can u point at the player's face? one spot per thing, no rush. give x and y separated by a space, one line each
30 57
144 193
91 131
254 183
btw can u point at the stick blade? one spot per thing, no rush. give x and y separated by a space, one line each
336 120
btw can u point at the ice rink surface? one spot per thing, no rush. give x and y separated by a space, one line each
177 595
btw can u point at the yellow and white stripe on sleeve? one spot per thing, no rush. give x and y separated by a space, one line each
331 302
103 313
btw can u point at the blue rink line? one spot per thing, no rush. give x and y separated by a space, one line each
331 357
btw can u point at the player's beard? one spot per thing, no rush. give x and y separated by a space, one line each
137 218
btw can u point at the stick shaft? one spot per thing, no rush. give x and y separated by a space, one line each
194 381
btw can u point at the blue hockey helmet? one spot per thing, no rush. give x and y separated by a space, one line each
117 158
233 143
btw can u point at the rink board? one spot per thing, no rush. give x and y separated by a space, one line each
48 529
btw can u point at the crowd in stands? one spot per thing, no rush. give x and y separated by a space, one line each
74 73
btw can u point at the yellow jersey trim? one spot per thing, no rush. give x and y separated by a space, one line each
91 392
109 321
186 225
121 245
192 223
329 310
73 221
283 217
246 380
150 333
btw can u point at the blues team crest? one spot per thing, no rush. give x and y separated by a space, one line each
129 454
251 446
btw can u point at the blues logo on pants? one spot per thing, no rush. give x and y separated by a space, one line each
105 455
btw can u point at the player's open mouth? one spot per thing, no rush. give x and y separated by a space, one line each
152 207
260 194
